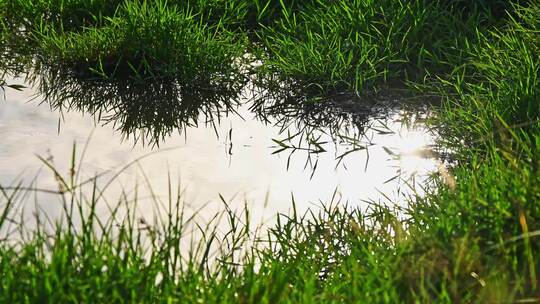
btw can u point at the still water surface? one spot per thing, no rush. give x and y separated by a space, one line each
233 158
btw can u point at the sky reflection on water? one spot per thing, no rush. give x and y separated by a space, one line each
207 162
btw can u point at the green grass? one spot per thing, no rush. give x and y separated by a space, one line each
343 45
492 99
139 39
472 243
3 35
474 238
321 46
145 40
12 58
360 46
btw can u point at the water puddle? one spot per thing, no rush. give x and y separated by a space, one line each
241 157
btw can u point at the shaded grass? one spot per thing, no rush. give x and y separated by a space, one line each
148 39
321 46
12 60
361 45
69 15
492 99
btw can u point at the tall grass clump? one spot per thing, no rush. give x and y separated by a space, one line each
490 119
69 15
493 97
24 18
360 45
145 40
86 258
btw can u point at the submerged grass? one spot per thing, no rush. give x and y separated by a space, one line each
473 240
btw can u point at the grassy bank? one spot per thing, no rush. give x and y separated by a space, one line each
319 46
473 239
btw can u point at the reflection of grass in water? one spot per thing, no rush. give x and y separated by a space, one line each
149 111
347 121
